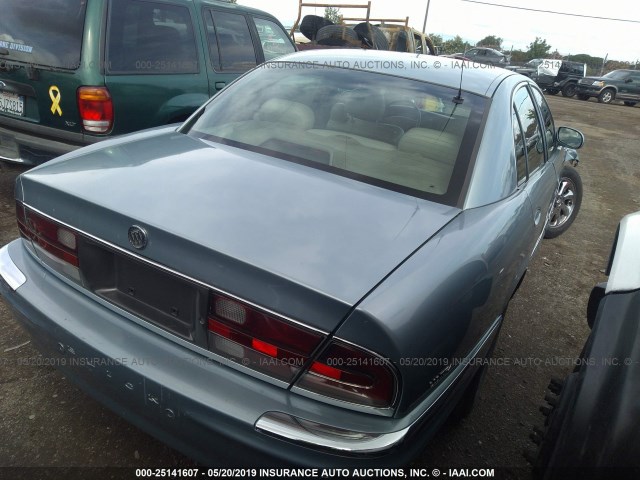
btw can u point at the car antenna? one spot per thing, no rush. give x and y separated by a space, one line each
458 98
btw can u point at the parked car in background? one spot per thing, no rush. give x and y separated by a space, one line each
457 56
74 72
559 76
528 69
488 56
313 265
592 415
616 85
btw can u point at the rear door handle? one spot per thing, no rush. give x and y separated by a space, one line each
220 85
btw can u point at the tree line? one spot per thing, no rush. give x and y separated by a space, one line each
539 48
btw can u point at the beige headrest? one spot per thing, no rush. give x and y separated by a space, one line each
290 113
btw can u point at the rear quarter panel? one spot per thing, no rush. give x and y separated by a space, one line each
437 305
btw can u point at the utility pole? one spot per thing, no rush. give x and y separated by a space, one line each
604 60
426 14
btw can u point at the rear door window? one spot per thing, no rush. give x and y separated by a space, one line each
533 139
518 140
274 40
150 38
230 44
547 119
45 34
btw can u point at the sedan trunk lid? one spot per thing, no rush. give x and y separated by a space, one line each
302 242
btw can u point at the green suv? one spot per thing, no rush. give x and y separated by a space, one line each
74 72
616 85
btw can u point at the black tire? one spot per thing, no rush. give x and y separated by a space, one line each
630 104
608 95
311 24
566 203
551 91
559 399
338 35
371 36
569 90
582 96
465 406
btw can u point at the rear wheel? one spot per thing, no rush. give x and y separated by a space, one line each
566 204
607 96
630 104
582 96
569 90
468 400
465 406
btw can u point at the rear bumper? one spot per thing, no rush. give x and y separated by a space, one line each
31 144
206 410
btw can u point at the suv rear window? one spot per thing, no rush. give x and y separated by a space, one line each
42 33
152 38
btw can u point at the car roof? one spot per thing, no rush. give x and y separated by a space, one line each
227 4
476 78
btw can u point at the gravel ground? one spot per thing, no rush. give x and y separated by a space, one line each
47 422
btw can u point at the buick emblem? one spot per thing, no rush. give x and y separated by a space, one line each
137 237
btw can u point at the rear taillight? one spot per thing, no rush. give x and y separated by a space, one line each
259 340
47 235
281 349
351 374
22 221
96 109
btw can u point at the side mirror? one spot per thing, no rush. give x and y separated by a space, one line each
628 80
570 137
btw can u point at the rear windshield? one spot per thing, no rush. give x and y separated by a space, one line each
42 33
396 133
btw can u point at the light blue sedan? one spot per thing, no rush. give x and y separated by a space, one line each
311 269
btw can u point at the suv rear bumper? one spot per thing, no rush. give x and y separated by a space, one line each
32 144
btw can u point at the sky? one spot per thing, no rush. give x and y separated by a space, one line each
518 28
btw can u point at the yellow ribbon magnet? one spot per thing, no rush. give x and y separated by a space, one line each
54 95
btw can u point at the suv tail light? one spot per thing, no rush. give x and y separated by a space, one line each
259 340
351 374
96 109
